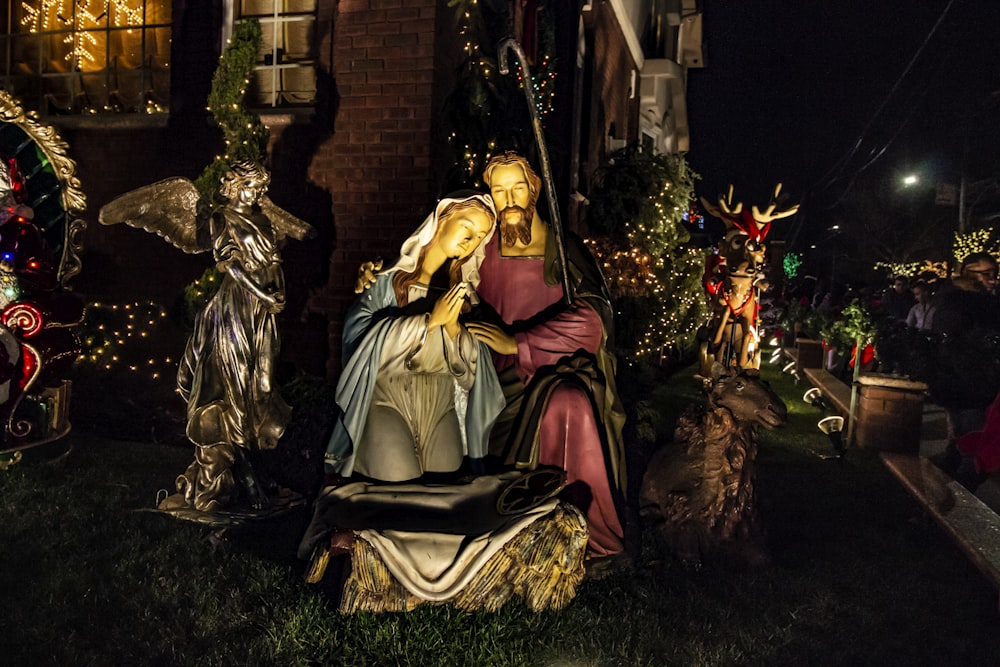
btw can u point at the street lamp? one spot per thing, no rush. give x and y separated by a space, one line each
911 180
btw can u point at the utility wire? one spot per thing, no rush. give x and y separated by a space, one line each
838 168
873 157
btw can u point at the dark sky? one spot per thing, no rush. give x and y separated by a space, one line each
790 87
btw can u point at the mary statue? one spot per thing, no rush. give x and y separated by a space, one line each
418 393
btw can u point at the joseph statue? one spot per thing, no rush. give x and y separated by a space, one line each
555 360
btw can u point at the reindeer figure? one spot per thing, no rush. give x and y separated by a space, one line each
734 278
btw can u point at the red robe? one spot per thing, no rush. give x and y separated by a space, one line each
569 434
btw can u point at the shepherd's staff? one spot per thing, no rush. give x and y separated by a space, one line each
543 158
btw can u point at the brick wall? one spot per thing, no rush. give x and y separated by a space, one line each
377 164
362 169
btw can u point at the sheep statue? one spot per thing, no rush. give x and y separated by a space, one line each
697 495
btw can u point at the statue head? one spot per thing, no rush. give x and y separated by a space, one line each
462 226
746 396
244 182
515 188
456 230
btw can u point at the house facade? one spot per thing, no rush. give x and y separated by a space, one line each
352 93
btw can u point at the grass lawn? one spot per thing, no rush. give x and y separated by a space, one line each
89 577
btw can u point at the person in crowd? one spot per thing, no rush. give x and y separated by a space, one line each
921 315
982 268
897 299
966 315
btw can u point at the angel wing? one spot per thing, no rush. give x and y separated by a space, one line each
171 208
284 223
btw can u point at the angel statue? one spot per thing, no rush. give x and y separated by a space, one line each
226 374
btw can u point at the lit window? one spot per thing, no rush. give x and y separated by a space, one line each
87 56
285 75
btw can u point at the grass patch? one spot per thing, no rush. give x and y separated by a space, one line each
90 578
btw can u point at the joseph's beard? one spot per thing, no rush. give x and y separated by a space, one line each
515 225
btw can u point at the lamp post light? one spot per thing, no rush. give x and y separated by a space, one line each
815 397
833 428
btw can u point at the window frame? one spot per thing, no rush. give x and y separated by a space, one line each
40 72
274 62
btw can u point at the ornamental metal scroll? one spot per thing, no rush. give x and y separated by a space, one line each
40 244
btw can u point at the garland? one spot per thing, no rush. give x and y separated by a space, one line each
245 135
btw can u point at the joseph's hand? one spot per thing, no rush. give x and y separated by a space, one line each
366 275
496 338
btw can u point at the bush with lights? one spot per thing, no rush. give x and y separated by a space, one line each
791 263
979 240
636 211
963 245
244 134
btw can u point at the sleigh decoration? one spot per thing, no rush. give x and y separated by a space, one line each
40 197
734 279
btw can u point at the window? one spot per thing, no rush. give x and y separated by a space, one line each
285 75
87 56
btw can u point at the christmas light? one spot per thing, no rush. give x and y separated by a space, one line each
126 346
973 242
82 18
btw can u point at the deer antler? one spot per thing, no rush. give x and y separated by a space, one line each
727 204
769 213
726 210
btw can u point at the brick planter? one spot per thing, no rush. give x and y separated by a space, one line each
889 413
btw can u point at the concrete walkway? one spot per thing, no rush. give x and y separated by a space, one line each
934 439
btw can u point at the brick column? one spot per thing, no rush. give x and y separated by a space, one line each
376 165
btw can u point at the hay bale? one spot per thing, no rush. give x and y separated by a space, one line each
543 565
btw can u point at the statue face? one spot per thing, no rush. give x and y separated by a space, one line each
245 183
463 231
250 190
509 187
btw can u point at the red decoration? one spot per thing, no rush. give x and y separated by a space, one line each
23 317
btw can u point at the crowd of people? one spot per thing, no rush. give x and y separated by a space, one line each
960 315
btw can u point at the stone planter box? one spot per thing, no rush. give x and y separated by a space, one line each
889 413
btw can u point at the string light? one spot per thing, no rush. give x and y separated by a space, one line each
81 18
480 66
911 269
127 349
